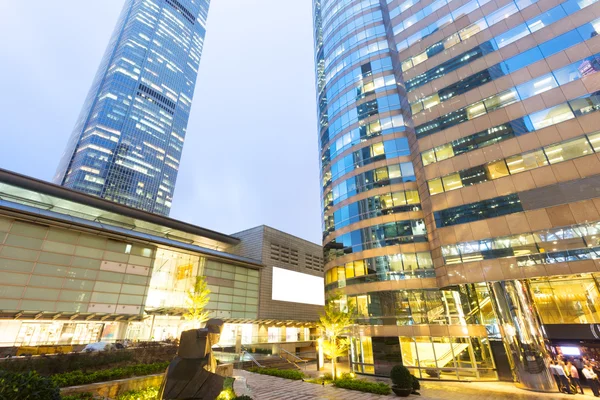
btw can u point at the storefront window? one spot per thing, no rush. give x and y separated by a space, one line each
567 301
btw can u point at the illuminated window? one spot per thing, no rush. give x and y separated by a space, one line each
525 162
431 101
452 182
381 174
595 141
377 149
496 170
419 58
568 150
551 116
412 197
475 110
444 152
501 100
428 157
435 186
394 171
386 200
471 30
451 41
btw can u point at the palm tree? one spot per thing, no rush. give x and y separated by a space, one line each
334 324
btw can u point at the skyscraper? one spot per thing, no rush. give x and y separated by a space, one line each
126 145
460 172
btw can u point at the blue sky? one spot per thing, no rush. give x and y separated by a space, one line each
251 152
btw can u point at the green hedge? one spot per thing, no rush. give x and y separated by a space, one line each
281 373
150 393
30 386
78 396
77 378
363 386
59 363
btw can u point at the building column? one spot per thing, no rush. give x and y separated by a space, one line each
522 335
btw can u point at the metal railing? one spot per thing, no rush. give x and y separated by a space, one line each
251 357
295 357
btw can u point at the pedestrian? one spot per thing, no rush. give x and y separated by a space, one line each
564 380
554 373
592 379
574 377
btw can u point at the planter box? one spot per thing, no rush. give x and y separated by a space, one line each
224 370
112 389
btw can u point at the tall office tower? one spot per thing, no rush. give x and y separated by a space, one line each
460 180
127 142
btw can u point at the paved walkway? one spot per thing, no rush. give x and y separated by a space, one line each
263 387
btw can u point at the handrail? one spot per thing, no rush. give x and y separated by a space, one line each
251 358
295 356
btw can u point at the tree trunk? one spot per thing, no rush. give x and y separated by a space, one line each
333 368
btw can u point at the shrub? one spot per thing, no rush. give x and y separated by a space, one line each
58 363
78 396
150 393
76 378
30 386
281 373
416 385
401 377
363 386
226 394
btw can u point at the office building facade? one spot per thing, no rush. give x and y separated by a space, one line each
127 142
77 269
459 172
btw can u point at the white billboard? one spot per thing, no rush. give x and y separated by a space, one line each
296 287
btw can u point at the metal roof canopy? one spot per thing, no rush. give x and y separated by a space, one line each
99 208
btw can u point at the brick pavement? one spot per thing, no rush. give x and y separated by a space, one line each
263 387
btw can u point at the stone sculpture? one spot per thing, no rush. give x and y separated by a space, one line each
191 375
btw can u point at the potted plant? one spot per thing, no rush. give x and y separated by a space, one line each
402 381
416 385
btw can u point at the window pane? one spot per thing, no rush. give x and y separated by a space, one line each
381 174
394 171
568 150
377 149
595 141
431 101
501 100
551 116
496 170
452 182
416 107
536 86
412 197
524 162
472 29
475 110
444 152
428 157
398 198
386 200
512 35
435 186
545 19
410 261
